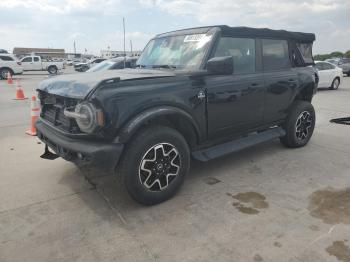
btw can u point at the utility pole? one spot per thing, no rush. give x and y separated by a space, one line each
131 47
124 42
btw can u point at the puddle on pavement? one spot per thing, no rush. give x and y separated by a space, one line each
277 244
258 258
211 181
340 250
331 206
249 202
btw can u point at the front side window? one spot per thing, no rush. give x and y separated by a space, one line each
241 49
27 59
180 52
275 54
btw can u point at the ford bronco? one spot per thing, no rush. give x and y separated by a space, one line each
200 92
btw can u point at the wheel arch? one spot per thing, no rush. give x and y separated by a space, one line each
170 116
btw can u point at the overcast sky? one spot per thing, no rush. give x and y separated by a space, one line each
96 24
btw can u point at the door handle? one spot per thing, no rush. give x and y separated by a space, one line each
201 95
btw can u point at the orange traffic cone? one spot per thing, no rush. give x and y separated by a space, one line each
19 92
9 78
34 114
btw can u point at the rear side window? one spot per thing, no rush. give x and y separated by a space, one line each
305 50
324 66
241 49
275 54
6 58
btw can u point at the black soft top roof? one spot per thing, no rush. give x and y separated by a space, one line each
247 32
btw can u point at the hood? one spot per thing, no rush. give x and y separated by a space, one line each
79 85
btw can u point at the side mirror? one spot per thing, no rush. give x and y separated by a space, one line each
220 65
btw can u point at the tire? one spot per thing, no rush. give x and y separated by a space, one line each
149 175
52 70
335 84
4 72
299 125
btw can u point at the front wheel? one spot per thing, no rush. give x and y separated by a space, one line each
299 125
155 164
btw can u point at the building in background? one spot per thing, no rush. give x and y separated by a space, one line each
43 52
109 53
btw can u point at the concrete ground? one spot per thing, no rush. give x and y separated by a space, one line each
267 203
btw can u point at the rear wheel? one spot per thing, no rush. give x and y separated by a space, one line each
52 70
299 125
335 84
4 73
155 164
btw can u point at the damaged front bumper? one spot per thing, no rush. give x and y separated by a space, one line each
101 155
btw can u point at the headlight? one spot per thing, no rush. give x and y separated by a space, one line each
88 117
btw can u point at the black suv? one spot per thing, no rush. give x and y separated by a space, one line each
201 93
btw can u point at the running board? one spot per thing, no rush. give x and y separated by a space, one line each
239 144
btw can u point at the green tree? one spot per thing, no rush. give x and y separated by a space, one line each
337 54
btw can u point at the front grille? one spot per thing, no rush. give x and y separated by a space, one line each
52 108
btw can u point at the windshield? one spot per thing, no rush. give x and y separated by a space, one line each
105 65
183 51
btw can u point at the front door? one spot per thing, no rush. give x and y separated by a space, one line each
27 63
235 103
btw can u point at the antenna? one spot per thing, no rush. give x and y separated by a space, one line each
124 42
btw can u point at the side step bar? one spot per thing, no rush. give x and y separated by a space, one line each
239 144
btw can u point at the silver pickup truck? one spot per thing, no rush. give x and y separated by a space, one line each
35 63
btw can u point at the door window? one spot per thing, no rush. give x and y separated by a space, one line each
275 54
324 66
27 59
6 58
241 49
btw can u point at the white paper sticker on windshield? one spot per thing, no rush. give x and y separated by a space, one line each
193 38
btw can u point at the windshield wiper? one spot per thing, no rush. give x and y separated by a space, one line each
164 66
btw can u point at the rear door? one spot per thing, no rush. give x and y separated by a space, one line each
37 63
326 74
281 79
235 103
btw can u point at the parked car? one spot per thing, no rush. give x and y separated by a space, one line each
333 61
35 63
114 63
330 75
200 92
344 64
84 66
9 64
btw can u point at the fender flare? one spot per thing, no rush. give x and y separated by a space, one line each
137 121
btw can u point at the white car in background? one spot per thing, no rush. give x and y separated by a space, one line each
330 75
9 64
